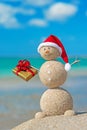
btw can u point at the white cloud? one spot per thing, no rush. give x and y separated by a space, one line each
37 22
38 2
57 12
8 15
7 18
60 11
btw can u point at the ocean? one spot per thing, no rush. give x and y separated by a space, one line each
7 64
19 100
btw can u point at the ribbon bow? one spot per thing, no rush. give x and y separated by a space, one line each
24 65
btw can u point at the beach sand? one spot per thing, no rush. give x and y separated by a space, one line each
19 100
77 122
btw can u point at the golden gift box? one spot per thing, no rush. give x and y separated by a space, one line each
24 70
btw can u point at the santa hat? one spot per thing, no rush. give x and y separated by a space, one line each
55 42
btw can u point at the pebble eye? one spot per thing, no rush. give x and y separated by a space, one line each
49 48
44 49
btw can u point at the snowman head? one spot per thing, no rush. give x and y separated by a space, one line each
49 52
54 48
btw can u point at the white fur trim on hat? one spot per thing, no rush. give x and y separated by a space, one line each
50 44
67 66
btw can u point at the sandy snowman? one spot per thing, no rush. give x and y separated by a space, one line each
55 100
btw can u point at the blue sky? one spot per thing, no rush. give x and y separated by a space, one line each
26 23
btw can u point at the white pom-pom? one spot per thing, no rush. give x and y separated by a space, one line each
67 66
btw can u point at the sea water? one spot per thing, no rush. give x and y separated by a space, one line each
7 64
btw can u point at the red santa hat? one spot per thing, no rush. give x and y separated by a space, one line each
55 42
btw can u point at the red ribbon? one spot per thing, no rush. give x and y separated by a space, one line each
24 65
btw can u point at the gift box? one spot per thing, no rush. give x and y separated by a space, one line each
25 70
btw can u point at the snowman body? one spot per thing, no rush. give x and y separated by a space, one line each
53 74
56 102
